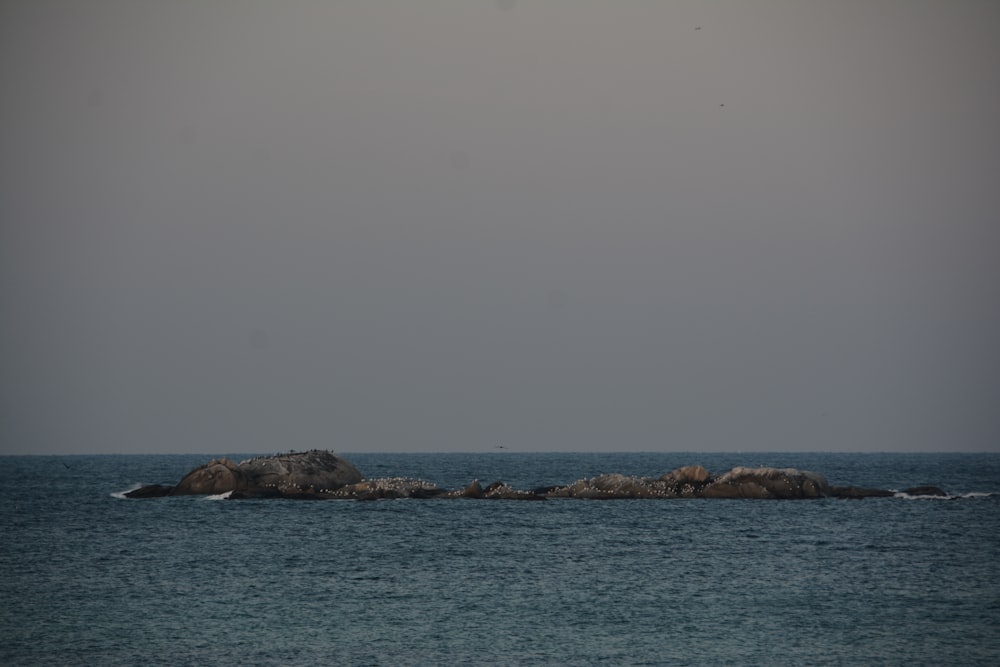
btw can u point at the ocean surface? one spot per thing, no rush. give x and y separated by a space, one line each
90 578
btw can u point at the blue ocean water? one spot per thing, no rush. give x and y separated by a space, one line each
87 577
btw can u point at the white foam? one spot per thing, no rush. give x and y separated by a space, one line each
121 494
971 494
907 496
219 496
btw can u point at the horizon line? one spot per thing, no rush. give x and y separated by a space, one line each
506 450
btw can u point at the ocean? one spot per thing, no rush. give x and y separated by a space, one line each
89 577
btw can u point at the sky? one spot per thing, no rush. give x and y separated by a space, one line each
547 225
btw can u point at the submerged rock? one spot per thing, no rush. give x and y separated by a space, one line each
152 491
926 490
859 492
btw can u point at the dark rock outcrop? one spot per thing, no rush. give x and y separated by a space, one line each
502 491
387 487
151 491
305 475
697 482
216 476
859 492
320 475
765 483
687 482
314 472
473 490
614 486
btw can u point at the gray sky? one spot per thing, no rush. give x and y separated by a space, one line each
551 225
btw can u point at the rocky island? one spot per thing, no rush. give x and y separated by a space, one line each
322 475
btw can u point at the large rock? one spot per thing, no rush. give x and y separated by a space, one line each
313 474
216 476
767 483
687 475
316 471
473 490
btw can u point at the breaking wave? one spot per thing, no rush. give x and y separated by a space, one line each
959 496
120 495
